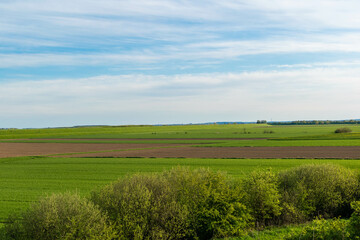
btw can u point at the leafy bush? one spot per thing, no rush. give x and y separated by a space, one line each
60 216
214 201
177 204
323 229
354 223
262 196
343 130
199 204
314 190
143 207
3 233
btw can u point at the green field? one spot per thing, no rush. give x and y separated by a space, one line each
218 143
182 131
25 179
263 135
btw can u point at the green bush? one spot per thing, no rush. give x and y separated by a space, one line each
214 201
143 207
60 216
354 222
177 204
314 190
262 196
321 229
2 233
343 130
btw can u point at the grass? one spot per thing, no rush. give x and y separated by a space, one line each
282 143
25 179
332 136
283 232
297 135
273 233
283 136
212 143
177 141
182 131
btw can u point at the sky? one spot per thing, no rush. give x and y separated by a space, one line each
116 62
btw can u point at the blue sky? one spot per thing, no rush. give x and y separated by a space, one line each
65 63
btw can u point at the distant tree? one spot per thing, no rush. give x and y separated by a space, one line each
315 122
261 121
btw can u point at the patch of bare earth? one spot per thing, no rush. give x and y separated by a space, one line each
146 139
38 149
237 152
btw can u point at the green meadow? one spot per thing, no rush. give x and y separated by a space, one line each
24 180
178 131
238 135
217 143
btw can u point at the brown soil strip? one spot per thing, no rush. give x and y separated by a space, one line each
238 152
38 149
140 139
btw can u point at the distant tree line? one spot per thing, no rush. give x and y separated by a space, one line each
261 121
316 122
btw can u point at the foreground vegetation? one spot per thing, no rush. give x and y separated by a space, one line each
25 179
200 204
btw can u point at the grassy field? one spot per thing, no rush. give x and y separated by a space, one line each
276 136
182 131
283 143
217 143
26 179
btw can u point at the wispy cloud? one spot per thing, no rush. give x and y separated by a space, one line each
202 59
295 94
172 20
201 51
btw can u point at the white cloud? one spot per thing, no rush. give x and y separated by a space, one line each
169 20
153 34
322 13
293 94
152 31
314 14
195 52
36 60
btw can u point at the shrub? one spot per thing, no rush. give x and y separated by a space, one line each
214 201
143 207
60 216
354 223
3 233
313 190
322 229
177 204
343 130
262 196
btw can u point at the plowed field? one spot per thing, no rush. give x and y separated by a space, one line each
38 149
173 150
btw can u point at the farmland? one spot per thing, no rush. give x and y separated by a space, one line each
232 131
25 179
87 158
